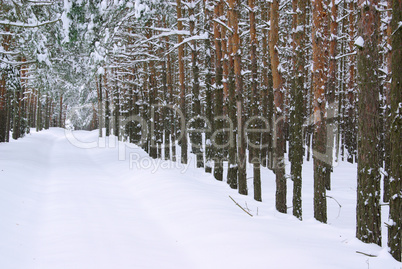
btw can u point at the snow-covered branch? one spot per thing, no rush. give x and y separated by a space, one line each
24 25
203 36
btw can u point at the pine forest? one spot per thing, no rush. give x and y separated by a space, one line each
240 88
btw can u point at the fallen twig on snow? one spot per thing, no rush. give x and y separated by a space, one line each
370 255
340 206
240 206
334 200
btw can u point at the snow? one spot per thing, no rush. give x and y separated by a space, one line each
101 71
63 206
66 21
359 42
299 28
42 57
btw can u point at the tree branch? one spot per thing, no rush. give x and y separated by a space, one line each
23 25
240 206
370 255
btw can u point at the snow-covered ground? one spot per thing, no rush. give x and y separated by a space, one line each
63 206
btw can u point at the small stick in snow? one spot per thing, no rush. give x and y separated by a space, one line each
340 206
240 206
334 200
370 255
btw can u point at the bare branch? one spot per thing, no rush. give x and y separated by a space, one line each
370 255
240 206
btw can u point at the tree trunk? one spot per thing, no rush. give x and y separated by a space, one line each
297 104
279 136
39 113
266 90
182 85
320 50
4 95
107 107
61 123
330 92
100 106
254 136
17 112
166 111
395 203
231 109
218 96
197 121
387 110
172 114
208 86
233 167
234 9
350 128
3 109
116 110
368 211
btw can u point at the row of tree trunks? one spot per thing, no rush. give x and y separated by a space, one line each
226 98
235 88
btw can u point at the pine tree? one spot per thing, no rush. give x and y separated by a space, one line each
107 108
387 105
182 84
234 9
320 50
297 108
266 88
331 90
3 90
196 136
218 95
232 109
208 26
254 136
395 203
368 211
279 136
100 105
350 128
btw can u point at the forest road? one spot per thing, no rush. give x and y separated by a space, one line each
90 220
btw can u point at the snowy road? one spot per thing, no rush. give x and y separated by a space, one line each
90 216
66 207
84 217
